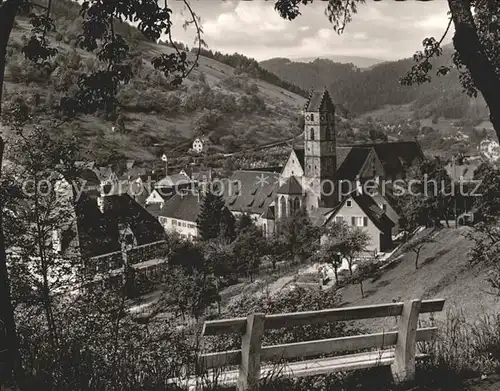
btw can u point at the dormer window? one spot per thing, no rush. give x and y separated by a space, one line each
312 134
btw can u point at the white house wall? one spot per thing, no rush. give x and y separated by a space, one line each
347 212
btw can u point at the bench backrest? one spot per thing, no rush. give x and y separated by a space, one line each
253 327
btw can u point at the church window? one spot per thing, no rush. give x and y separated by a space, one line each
283 206
312 117
296 204
312 134
327 134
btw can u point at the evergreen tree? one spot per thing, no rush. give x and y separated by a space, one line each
215 221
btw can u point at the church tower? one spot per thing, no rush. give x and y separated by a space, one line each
319 151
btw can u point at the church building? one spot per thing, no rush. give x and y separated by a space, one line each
328 179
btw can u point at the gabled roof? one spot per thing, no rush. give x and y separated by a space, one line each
173 180
396 156
269 215
183 206
353 157
319 101
291 186
352 160
257 192
376 215
299 152
342 153
319 216
98 233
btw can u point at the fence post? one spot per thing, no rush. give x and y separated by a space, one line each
403 368
251 343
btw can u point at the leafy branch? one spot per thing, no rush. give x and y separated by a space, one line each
419 73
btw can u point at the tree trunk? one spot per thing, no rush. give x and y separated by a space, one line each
473 55
361 287
8 335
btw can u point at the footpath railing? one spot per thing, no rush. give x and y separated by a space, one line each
394 348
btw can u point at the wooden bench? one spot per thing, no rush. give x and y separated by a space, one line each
393 348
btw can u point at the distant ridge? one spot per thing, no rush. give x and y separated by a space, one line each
360 62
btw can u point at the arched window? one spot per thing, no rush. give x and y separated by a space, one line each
290 206
327 133
312 134
312 117
283 206
296 204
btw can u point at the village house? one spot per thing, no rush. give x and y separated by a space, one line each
201 144
179 214
360 210
102 223
168 186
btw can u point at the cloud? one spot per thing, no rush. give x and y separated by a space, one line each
254 28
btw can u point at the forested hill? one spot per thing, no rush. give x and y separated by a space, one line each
237 104
362 91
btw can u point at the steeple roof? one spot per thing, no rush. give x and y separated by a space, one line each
319 101
291 186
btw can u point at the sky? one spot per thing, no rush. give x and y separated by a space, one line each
385 30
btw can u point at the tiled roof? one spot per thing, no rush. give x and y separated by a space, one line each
342 153
258 191
319 216
173 180
299 152
371 209
266 169
354 157
270 213
319 100
351 161
291 186
185 206
396 156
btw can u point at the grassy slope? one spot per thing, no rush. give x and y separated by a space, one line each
172 130
444 272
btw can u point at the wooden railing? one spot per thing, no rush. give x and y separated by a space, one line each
401 357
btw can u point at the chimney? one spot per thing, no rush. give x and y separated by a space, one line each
359 188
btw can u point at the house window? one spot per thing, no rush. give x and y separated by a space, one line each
349 203
312 134
359 221
339 219
174 222
384 207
